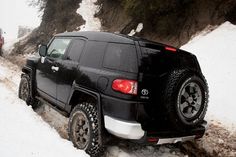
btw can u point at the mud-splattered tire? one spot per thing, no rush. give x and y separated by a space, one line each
84 129
185 98
24 91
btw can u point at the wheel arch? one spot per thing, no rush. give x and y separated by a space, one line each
80 94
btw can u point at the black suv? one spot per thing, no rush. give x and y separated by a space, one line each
126 86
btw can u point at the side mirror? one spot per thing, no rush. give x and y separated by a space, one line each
43 50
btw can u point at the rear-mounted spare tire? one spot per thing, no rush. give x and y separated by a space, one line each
185 98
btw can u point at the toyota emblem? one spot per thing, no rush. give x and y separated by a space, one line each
144 92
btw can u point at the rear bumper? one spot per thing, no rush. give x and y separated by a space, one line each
123 129
133 131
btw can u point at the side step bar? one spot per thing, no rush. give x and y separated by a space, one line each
52 106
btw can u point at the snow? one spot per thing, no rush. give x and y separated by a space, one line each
14 13
87 10
139 27
137 30
23 133
217 56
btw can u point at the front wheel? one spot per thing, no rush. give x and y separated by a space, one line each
24 92
84 128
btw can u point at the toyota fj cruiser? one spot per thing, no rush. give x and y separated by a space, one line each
129 87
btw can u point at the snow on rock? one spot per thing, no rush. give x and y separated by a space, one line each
87 10
139 27
216 52
23 133
137 30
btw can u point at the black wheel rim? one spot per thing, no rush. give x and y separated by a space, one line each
24 90
82 130
190 100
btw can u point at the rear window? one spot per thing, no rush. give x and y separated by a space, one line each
93 55
121 57
155 61
76 49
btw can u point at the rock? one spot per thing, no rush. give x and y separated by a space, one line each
220 141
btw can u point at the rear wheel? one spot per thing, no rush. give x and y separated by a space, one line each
185 98
84 129
24 92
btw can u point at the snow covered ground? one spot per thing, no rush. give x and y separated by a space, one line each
216 52
23 133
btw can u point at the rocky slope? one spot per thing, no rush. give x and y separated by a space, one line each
172 22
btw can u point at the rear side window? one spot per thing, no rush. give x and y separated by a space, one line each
121 57
76 49
93 54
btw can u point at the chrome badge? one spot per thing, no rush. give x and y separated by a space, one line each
144 92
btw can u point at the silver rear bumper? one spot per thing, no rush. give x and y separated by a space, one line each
134 131
123 129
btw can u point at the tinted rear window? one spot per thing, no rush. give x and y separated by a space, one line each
76 49
121 57
93 55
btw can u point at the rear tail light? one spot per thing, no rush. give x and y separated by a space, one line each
171 49
125 86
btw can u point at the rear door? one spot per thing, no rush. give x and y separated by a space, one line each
47 70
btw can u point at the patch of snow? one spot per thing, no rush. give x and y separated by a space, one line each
139 27
87 10
23 133
217 56
132 32
137 30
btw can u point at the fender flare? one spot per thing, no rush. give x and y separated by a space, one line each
96 95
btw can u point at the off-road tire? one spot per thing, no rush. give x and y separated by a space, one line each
171 98
94 144
24 91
